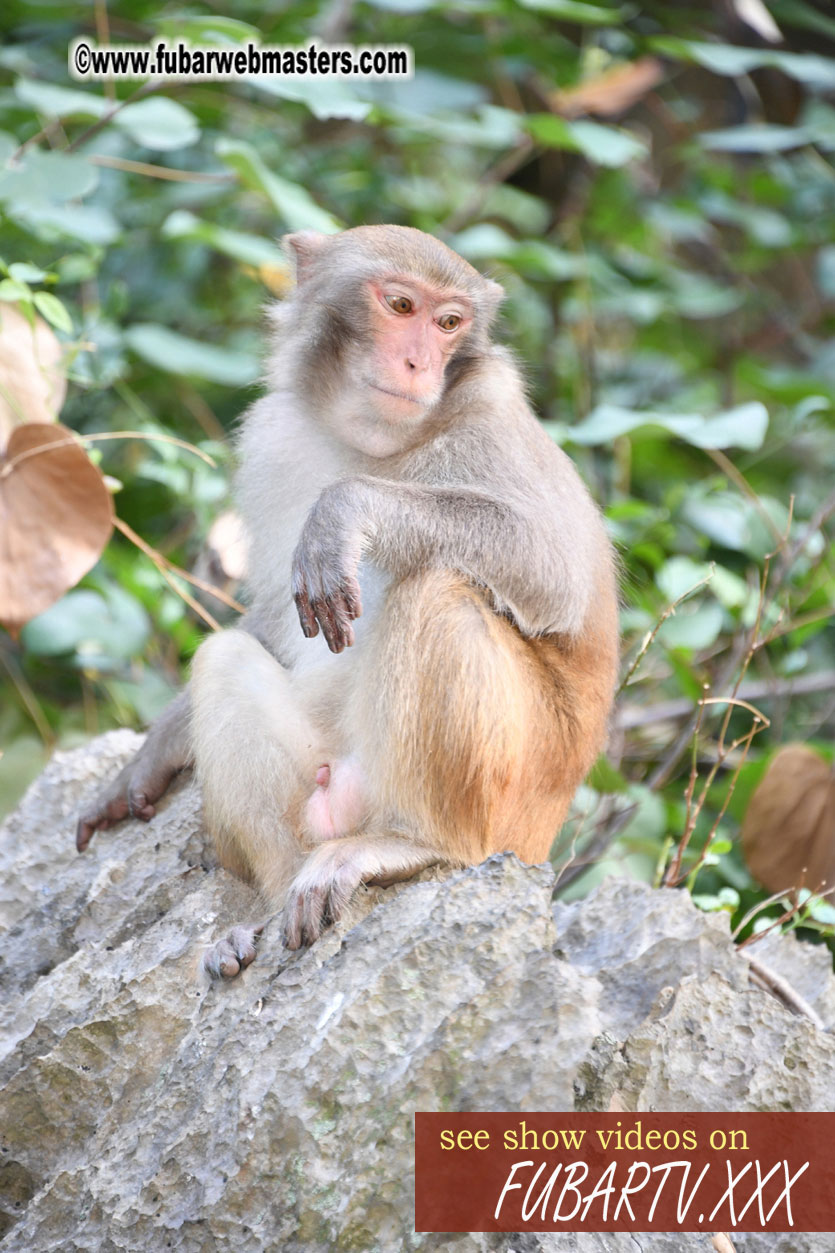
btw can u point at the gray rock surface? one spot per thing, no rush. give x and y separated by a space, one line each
141 1109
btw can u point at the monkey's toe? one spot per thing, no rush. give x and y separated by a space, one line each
229 956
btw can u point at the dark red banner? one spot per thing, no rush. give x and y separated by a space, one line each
624 1172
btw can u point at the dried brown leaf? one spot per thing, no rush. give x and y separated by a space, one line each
610 93
56 516
32 380
788 835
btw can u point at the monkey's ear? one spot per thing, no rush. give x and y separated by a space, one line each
494 295
303 248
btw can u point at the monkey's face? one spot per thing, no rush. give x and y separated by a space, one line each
415 330
398 365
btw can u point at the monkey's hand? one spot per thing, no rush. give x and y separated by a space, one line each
139 785
325 584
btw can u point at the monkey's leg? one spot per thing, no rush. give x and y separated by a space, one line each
256 754
435 716
140 784
473 740
475 737
332 873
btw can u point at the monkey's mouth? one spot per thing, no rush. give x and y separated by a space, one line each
390 391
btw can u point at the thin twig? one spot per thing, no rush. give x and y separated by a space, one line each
628 718
146 89
784 991
64 442
150 438
161 561
668 613
723 751
29 700
497 174
736 476
158 562
824 511
74 438
159 171
757 909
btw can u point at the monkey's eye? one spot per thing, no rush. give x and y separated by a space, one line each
449 321
400 304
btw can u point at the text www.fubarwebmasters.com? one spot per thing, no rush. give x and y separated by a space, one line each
212 64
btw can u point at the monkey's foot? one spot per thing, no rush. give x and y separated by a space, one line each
229 956
339 802
319 894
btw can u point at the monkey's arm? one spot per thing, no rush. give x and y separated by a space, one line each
539 571
139 785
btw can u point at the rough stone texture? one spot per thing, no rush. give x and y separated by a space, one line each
141 1109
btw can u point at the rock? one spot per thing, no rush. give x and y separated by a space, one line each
142 1109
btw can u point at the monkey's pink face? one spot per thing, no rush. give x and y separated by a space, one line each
417 328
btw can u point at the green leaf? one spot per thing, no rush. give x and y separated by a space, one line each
490 127
296 207
692 627
158 123
208 29
679 574
603 777
403 6
324 97
90 224
26 273
95 628
822 911
736 523
725 898
47 178
178 354
696 296
54 101
733 62
250 249
742 427
12 291
575 11
759 138
604 145
54 311
528 256
825 271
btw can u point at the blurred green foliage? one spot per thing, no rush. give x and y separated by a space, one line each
670 266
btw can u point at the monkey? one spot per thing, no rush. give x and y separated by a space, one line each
452 680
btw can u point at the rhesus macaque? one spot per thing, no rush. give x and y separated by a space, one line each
451 682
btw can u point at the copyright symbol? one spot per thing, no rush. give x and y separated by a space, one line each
81 57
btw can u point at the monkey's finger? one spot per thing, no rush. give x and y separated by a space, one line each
338 632
139 805
330 627
293 921
229 956
307 617
220 961
314 905
111 807
353 600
